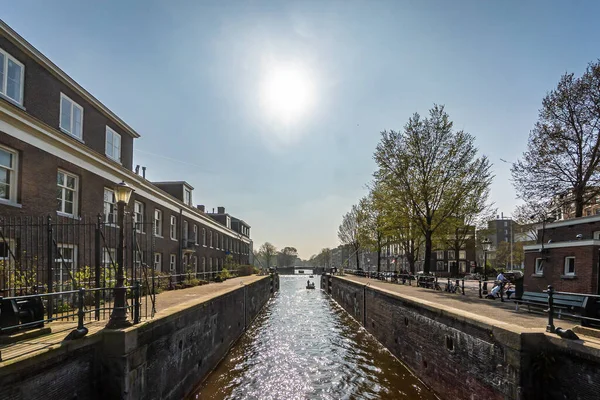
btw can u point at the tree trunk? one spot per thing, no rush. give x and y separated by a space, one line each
579 202
428 245
378 255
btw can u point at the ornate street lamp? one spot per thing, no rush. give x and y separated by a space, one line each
486 243
118 317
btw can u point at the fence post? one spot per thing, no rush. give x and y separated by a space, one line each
550 326
97 270
80 314
50 267
480 296
136 302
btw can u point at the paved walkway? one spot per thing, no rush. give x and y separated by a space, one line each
166 303
470 303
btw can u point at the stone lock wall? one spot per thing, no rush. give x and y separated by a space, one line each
462 356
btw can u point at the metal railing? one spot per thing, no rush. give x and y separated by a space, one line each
584 317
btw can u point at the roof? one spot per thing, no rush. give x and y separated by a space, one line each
173 183
573 221
60 74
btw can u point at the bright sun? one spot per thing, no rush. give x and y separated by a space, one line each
287 93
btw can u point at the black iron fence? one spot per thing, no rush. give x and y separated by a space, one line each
58 256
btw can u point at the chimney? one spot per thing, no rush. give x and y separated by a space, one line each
201 207
137 169
221 210
213 210
144 172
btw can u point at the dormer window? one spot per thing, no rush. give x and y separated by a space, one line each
11 77
187 196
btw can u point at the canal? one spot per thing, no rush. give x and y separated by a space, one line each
304 346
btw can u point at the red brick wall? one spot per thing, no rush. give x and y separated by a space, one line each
586 270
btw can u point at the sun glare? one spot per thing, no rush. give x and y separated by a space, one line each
287 93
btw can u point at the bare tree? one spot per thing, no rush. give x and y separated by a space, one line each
436 170
563 153
287 256
348 232
268 252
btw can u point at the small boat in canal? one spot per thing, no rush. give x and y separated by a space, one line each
310 285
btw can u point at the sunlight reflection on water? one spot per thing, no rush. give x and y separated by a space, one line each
304 346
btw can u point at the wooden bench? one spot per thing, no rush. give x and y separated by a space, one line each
566 304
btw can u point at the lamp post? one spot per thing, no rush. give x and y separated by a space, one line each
486 247
118 317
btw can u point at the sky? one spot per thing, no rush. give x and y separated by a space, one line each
273 109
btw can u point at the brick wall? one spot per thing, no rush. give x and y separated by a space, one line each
569 232
586 270
41 99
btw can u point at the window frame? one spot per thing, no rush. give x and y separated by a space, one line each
462 254
58 263
4 83
75 212
158 223
210 239
139 225
172 262
70 130
566 271
173 227
186 200
114 208
157 261
204 237
14 176
186 229
113 133
539 266
195 234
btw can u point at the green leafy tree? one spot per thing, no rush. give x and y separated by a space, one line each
436 171
562 159
349 231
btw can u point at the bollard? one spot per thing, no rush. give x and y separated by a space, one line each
136 302
457 287
80 314
463 286
502 292
550 327
448 285
480 296
485 291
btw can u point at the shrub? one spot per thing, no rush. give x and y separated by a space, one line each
245 270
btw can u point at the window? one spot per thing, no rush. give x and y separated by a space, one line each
187 196
138 213
203 237
505 223
157 261
462 265
196 234
439 254
67 193
217 240
8 174
172 262
109 206
113 144
157 222
185 230
210 269
195 263
539 266
462 254
173 229
596 235
109 260
451 266
440 265
71 117
64 266
228 222
203 264
210 243
570 266
451 254
11 77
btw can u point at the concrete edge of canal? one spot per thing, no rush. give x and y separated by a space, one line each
463 356
163 358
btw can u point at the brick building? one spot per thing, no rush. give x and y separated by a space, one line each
565 256
62 152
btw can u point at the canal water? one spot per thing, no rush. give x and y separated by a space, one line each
304 346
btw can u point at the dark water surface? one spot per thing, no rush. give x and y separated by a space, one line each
304 346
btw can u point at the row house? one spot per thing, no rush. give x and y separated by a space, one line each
61 154
566 255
